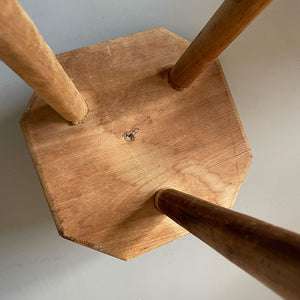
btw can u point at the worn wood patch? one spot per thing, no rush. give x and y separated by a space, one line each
141 135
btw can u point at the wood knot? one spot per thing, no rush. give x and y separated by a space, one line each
130 135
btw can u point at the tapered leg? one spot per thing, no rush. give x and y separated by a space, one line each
23 49
269 253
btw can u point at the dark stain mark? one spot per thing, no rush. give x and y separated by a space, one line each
149 120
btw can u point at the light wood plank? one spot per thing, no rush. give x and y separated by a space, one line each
98 185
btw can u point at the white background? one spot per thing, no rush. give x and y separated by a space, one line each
263 71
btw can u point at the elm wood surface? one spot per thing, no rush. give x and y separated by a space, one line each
267 252
100 186
224 26
23 49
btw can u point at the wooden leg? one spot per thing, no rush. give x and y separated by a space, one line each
269 253
23 49
225 25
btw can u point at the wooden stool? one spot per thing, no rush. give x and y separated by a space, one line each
145 118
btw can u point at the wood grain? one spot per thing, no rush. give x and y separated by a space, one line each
269 253
23 49
224 26
100 186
